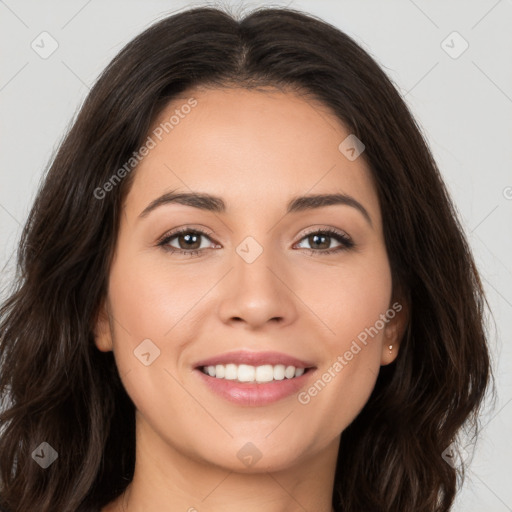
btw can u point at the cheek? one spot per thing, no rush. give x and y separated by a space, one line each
149 303
151 300
349 298
352 308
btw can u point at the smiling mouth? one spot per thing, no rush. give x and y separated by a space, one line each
253 374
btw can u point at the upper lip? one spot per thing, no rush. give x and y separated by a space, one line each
254 359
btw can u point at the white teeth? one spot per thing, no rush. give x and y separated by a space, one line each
220 371
289 372
279 372
264 373
230 372
248 373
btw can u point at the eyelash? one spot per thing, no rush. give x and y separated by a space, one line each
346 242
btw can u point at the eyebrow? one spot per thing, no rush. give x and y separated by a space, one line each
216 204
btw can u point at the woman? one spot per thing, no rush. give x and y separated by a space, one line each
242 284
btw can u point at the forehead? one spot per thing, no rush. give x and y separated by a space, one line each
249 147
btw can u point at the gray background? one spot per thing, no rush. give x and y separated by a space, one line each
463 104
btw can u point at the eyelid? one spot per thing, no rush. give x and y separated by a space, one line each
321 227
346 241
210 233
185 229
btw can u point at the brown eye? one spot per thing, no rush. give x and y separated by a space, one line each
188 241
320 241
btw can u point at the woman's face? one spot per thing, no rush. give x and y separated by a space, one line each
250 288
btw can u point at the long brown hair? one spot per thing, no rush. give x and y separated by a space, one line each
58 388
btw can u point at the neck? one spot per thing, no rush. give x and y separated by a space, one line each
166 479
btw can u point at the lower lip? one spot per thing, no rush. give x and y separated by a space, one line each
252 393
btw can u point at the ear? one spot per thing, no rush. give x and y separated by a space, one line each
398 317
102 329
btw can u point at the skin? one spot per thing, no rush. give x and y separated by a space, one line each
256 150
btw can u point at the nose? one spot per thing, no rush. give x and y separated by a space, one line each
258 293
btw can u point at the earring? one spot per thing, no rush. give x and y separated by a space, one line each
390 348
